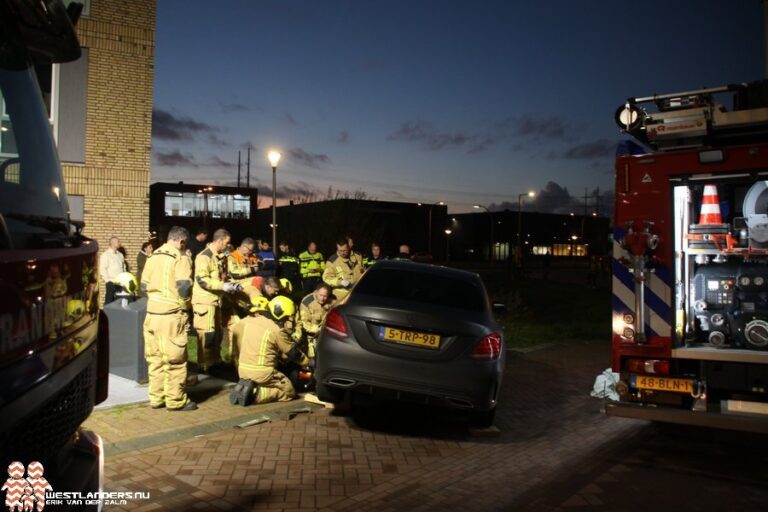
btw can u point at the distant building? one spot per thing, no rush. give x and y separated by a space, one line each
541 233
387 222
194 206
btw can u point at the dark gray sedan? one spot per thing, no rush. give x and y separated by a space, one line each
414 332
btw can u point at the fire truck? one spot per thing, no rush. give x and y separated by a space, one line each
53 337
690 258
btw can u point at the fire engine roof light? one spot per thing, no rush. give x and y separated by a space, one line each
711 156
629 117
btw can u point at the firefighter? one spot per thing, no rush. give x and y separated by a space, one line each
167 282
263 342
288 265
341 272
312 312
311 266
207 294
239 263
375 256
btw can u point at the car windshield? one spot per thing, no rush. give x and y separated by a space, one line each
423 287
30 177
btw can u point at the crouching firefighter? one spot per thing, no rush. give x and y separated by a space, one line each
263 341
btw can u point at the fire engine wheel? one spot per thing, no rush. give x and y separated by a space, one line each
482 419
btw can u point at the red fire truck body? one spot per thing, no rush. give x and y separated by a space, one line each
690 260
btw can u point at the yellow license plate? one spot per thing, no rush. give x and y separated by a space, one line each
662 384
420 339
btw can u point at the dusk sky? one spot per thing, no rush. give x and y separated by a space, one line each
462 101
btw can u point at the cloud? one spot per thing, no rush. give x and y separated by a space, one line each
291 120
314 160
214 140
166 126
175 159
215 161
343 137
234 107
424 132
555 198
600 148
551 128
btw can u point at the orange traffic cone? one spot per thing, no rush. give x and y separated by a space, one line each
710 207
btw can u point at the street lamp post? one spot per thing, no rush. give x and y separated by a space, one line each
490 246
429 236
448 244
274 158
205 191
518 248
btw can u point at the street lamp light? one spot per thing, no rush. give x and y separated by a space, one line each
518 249
274 157
448 244
429 237
490 247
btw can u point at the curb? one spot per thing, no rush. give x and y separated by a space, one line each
288 411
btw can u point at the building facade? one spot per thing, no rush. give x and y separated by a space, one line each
473 235
101 112
202 206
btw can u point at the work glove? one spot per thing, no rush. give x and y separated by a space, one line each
232 287
345 283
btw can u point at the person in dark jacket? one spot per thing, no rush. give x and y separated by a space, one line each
267 256
197 244
141 260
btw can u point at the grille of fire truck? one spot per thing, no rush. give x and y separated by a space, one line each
41 436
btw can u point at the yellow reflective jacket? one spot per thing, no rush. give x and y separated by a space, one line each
312 314
338 269
262 343
209 286
167 281
311 265
238 266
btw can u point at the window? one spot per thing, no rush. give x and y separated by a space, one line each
65 92
199 204
423 287
569 250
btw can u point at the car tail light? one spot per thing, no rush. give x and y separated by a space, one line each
488 348
102 359
648 366
335 324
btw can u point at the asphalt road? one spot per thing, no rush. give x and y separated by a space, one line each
554 451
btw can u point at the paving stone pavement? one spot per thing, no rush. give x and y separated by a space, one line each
555 451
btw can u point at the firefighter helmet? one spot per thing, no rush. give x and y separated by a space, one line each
259 303
286 285
128 283
75 309
281 308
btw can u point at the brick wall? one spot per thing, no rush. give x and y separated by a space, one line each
114 180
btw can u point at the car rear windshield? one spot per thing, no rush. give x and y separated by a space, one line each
425 287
